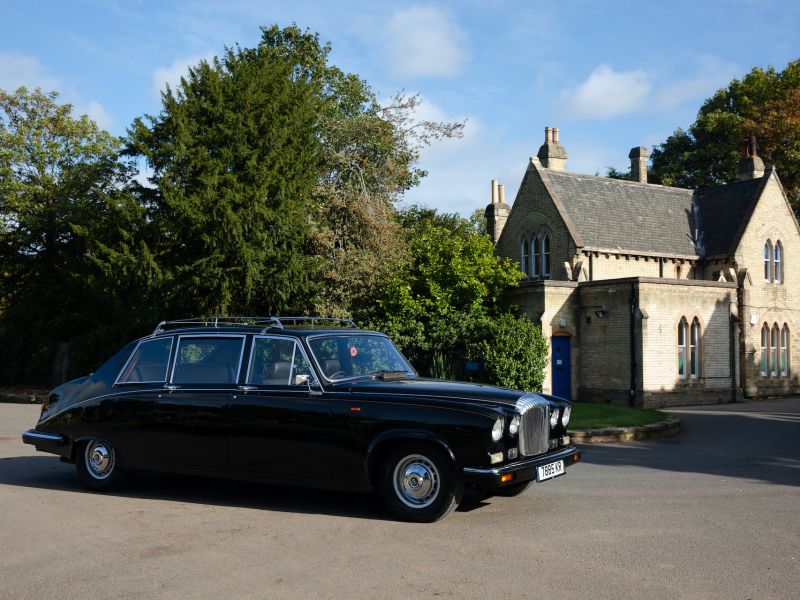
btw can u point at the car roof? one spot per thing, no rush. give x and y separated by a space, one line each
291 330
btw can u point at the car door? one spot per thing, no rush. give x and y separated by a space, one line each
191 411
280 423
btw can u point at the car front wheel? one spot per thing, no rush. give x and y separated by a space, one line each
97 466
419 483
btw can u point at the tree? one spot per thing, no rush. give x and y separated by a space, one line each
444 308
56 172
763 103
235 153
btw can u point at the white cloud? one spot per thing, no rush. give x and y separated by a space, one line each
607 93
710 75
96 113
423 41
17 70
172 74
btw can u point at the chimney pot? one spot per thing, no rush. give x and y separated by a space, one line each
494 191
548 135
501 191
555 135
639 156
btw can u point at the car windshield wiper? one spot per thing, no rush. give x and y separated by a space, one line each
388 375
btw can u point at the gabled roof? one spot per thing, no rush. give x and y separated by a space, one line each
625 216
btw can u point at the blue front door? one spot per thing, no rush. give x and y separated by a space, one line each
561 367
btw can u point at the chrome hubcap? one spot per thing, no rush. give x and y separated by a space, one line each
99 459
416 481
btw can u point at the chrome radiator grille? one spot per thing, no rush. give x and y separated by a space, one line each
534 427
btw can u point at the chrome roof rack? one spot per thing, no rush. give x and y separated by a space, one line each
264 322
219 322
317 321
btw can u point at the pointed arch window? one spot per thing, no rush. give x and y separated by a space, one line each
694 350
768 261
764 350
682 327
536 270
545 255
785 351
773 351
777 263
524 256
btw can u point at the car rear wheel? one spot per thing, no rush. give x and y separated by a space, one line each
97 465
418 483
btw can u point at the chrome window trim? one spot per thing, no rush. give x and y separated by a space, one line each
130 358
242 337
350 333
290 338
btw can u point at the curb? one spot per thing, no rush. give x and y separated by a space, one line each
23 397
666 428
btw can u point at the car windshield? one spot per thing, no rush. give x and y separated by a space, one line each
348 356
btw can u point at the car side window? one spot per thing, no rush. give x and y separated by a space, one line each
277 361
149 362
207 360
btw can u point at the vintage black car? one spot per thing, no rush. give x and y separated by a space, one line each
301 401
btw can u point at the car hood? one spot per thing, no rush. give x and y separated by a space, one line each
435 389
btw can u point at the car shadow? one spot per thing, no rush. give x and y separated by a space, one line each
744 444
49 473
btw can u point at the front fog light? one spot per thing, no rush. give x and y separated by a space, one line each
497 430
554 417
567 414
513 427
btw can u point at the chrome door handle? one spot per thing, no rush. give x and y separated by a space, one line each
171 388
247 388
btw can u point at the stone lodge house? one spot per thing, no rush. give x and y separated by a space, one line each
655 295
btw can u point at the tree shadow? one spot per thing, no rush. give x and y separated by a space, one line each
45 472
747 444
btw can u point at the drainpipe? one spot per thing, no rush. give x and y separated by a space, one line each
634 302
732 341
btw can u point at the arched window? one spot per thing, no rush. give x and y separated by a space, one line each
694 350
535 271
777 263
765 350
524 256
773 351
682 326
768 261
785 351
545 255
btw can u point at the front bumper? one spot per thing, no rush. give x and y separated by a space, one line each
48 442
491 478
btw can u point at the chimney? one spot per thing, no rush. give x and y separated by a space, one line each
552 154
497 212
750 165
639 156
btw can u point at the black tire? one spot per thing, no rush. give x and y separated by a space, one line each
515 489
418 482
97 464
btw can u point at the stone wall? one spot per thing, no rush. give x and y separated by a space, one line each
769 302
532 212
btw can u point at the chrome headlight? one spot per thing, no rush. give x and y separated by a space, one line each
497 430
554 417
565 417
513 426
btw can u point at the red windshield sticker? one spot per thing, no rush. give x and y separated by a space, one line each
353 351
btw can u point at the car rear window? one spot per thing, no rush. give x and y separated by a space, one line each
148 364
207 360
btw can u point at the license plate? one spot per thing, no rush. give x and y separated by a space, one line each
550 470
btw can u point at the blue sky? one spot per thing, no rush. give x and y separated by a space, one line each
610 75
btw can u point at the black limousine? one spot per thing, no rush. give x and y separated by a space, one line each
301 401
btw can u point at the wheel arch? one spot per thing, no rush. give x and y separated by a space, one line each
387 440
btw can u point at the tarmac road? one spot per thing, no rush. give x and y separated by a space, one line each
711 513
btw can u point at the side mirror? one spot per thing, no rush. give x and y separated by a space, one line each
302 380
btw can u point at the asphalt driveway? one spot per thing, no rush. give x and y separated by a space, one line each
712 513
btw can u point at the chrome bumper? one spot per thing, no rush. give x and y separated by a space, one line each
521 470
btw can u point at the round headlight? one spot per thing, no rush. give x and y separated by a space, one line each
513 427
497 430
554 417
565 417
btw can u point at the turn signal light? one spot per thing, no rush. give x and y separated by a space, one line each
506 478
